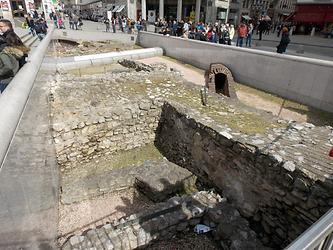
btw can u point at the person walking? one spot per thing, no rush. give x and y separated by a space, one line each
31 25
249 35
241 32
41 29
285 40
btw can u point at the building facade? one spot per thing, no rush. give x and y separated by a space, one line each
18 8
195 10
314 16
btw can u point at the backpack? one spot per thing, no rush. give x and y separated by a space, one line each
39 28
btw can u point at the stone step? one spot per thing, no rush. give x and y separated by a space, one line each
158 180
138 230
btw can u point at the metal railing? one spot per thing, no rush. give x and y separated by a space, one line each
318 237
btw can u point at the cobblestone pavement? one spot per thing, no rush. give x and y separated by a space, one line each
29 179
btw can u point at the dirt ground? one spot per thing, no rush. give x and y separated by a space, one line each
68 48
78 217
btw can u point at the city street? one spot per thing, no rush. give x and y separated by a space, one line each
313 47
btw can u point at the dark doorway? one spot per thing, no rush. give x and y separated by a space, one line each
220 84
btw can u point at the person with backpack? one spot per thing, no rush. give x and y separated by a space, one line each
242 32
41 29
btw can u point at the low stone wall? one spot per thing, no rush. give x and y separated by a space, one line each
281 181
167 219
86 61
104 130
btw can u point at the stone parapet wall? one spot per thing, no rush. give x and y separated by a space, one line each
281 181
104 130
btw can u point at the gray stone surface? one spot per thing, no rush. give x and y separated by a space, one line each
29 179
158 180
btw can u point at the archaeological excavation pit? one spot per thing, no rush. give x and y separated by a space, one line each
143 162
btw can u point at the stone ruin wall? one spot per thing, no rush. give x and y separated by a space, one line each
280 201
107 130
166 219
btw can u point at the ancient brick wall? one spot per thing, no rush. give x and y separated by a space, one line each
104 130
277 192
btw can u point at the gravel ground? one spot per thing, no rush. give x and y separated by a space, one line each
60 48
186 241
78 217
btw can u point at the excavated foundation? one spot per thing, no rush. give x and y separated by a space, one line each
255 180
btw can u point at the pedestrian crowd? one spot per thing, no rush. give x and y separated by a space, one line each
125 24
224 33
13 53
36 24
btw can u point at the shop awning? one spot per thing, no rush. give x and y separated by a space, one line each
246 17
314 13
310 17
121 7
290 17
115 8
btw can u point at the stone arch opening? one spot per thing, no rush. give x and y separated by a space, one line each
221 83
219 80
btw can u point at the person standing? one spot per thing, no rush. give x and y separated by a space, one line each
231 33
55 20
249 35
261 27
113 23
285 40
75 21
124 24
107 24
241 32
70 19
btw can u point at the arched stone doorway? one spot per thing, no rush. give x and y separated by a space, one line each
219 80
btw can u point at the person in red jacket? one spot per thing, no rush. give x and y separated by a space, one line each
242 32
331 152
